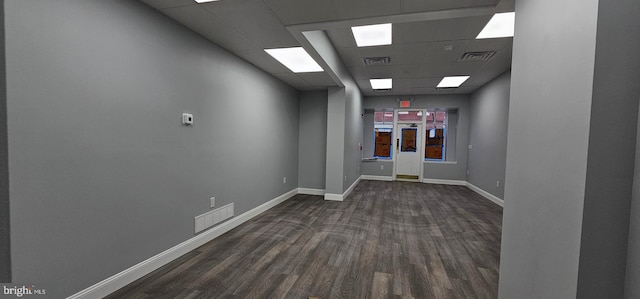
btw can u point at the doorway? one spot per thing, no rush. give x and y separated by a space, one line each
408 152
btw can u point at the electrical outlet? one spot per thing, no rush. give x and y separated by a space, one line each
381 167
187 119
284 180
497 183
345 178
213 201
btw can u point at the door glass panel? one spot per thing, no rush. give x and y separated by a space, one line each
409 140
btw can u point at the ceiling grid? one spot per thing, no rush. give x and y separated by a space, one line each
429 38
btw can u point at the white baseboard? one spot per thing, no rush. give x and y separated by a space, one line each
341 197
476 189
486 194
353 186
333 197
114 283
376 178
310 191
444 182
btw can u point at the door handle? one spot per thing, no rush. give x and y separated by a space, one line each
398 143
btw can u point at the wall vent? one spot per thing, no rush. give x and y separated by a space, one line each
477 56
213 217
375 61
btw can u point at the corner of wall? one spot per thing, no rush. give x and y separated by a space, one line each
5 232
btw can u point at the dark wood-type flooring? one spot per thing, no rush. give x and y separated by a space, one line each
386 240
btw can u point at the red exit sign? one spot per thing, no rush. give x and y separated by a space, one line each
405 104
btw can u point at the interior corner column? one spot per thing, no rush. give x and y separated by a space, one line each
571 144
335 141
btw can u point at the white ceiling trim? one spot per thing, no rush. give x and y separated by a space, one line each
337 70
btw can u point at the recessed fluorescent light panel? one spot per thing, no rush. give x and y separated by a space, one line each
296 59
453 81
500 25
372 35
381 83
205 1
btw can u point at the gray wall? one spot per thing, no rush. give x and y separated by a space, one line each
378 168
334 183
353 137
100 167
610 166
456 168
5 232
488 137
566 206
312 153
544 190
632 276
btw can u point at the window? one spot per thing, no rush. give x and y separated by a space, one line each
435 143
383 134
410 116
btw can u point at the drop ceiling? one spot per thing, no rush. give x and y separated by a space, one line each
429 38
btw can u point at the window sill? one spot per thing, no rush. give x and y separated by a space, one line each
442 162
375 159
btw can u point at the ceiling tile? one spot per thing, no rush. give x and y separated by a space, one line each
254 21
490 44
161 4
407 70
408 53
415 82
261 59
311 11
414 32
372 72
353 56
463 28
450 69
202 22
438 52
401 91
461 90
431 5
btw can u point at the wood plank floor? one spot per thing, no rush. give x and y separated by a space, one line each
386 240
